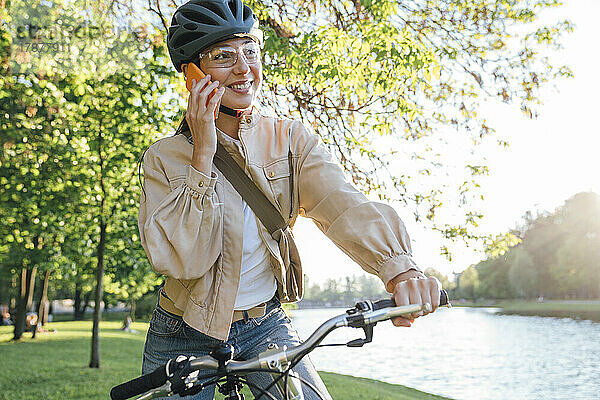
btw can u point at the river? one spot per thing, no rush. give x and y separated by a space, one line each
470 354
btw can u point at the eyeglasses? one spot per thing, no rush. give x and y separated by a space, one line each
226 56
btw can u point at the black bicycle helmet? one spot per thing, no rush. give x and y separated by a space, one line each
199 24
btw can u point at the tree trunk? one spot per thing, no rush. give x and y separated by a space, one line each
95 357
43 303
12 303
21 306
25 300
31 284
86 303
81 305
132 311
77 302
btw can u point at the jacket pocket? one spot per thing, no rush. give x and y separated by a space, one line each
278 175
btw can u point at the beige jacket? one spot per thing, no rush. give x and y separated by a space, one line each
191 224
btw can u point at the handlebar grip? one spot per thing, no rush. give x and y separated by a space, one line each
139 385
377 305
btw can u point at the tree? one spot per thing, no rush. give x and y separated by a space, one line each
110 107
128 268
468 283
34 190
522 274
345 290
115 130
493 274
557 256
349 290
370 287
363 74
331 291
575 267
78 266
373 75
432 272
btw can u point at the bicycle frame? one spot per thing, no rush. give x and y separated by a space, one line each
177 375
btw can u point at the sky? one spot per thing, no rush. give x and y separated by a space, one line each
549 159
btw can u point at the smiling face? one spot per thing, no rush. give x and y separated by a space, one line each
241 81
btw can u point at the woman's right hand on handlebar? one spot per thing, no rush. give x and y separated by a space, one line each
200 117
412 287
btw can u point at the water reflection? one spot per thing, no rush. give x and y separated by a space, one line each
471 354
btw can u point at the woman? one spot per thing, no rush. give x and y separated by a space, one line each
226 275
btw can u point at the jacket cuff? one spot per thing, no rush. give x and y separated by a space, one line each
199 182
395 266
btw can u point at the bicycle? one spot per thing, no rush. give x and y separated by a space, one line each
180 375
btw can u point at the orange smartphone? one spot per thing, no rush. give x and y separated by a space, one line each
191 71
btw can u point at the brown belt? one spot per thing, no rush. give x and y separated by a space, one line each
257 311
254 312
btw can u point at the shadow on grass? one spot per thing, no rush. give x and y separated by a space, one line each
74 329
106 316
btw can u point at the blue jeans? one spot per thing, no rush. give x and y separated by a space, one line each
169 336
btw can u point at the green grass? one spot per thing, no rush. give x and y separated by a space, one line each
350 387
532 305
549 306
54 366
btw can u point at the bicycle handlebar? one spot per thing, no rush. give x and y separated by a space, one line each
142 384
365 313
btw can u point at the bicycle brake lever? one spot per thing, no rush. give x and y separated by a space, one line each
361 342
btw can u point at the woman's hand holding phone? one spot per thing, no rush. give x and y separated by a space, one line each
200 116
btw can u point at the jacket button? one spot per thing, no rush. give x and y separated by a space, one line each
201 184
271 174
248 120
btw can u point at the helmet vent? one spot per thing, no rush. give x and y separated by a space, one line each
187 38
214 8
233 7
247 12
199 18
190 26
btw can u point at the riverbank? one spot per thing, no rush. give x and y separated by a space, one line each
576 309
54 366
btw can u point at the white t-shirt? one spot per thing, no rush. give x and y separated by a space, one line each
257 282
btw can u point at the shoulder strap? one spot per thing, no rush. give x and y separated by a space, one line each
254 197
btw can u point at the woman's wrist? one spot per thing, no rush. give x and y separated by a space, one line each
411 273
202 161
